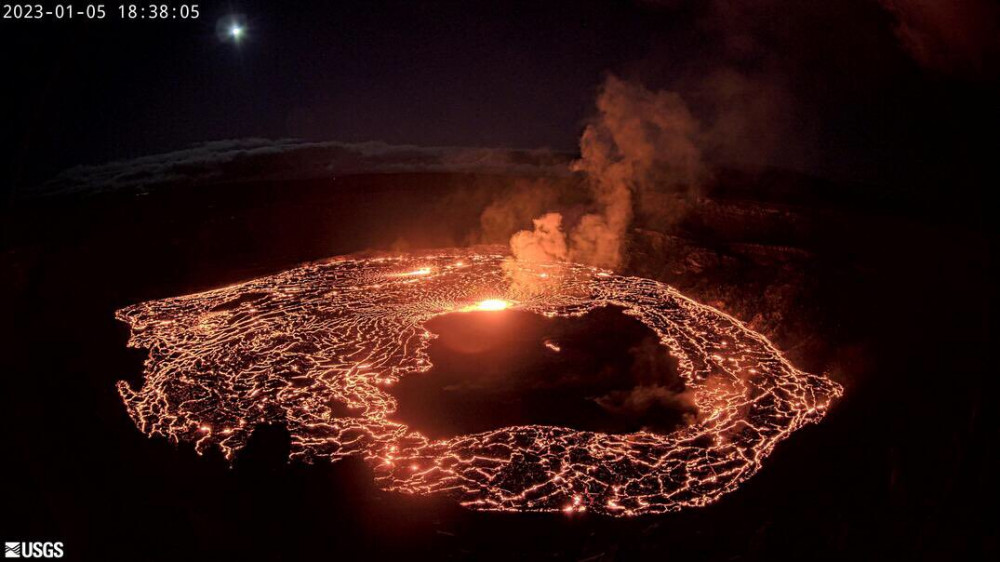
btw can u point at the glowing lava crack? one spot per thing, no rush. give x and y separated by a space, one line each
319 347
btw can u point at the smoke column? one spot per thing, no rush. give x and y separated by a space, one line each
639 151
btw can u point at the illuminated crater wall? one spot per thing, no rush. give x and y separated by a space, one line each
319 347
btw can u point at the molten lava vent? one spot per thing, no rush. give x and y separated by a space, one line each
318 349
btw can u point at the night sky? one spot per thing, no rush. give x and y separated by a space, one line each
402 72
845 95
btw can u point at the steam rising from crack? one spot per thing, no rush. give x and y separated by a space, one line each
303 347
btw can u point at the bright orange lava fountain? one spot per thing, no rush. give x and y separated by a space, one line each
287 348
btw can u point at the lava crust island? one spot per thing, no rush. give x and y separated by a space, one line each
318 349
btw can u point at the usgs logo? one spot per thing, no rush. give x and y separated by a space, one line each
33 550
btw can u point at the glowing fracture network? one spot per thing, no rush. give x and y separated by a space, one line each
318 348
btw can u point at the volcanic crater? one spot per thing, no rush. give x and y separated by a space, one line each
602 371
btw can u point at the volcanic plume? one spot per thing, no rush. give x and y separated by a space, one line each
639 151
